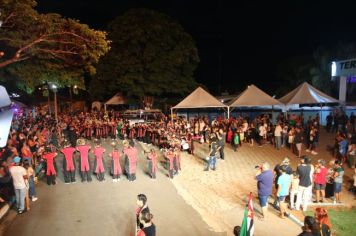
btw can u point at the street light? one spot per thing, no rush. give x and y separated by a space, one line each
52 86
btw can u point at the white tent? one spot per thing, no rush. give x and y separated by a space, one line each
254 97
199 98
117 99
306 94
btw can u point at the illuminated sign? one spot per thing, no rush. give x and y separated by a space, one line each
344 68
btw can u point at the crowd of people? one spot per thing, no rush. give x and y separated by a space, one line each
35 142
298 184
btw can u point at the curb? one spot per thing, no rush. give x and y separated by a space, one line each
5 209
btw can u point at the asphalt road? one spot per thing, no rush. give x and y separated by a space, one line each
106 208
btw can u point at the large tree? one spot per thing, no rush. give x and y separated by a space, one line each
151 55
38 47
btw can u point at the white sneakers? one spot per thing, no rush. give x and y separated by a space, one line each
307 150
314 153
34 199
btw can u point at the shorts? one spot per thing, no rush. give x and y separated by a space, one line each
337 187
281 198
263 200
319 186
299 146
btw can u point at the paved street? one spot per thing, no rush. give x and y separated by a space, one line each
107 208
184 206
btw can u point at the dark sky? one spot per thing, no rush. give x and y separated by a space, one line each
249 38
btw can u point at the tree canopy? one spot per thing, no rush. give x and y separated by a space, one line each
151 55
46 47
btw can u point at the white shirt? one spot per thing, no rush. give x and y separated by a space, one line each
17 173
262 130
278 131
244 126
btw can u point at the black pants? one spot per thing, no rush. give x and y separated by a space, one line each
100 176
51 179
85 176
170 173
69 176
152 173
222 155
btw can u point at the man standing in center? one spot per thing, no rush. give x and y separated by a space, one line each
264 178
212 155
221 142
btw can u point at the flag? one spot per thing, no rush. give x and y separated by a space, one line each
247 226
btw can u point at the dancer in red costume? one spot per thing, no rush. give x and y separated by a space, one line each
115 164
68 163
99 169
176 160
130 160
51 170
84 160
152 163
169 155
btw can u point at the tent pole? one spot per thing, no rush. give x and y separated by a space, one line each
228 112
321 115
172 114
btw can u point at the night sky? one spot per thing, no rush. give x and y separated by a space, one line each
239 42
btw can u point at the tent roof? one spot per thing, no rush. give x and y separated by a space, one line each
199 98
306 94
253 96
117 99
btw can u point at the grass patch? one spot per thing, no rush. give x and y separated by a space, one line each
342 221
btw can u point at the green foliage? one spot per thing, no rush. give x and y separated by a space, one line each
46 47
151 55
315 69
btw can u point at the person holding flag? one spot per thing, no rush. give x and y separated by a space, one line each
248 227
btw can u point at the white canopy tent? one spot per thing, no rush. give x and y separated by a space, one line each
306 94
117 99
254 97
199 98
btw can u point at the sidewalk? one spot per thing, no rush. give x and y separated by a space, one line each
220 196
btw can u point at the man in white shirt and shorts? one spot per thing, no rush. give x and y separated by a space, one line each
19 174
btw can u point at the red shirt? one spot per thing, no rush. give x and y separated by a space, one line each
320 178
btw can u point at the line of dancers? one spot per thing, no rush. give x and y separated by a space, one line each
129 153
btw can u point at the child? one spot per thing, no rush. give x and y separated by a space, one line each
31 181
148 228
142 205
294 189
115 166
236 141
99 169
152 163
241 136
